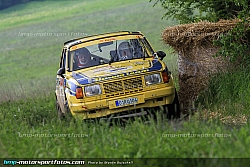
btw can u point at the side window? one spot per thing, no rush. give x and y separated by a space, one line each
63 59
137 48
148 46
70 60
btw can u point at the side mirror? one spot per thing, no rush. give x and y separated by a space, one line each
161 54
61 71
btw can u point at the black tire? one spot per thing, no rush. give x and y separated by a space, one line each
173 110
60 114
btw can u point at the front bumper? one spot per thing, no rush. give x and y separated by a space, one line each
104 107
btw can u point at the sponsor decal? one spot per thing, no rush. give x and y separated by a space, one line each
139 63
95 79
108 39
112 69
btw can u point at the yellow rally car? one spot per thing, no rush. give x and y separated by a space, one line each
113 75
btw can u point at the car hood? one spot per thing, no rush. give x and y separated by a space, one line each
115 70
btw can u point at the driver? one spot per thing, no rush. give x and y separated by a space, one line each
125 51
83 57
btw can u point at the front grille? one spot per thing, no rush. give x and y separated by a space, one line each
123 87
133 83
111 87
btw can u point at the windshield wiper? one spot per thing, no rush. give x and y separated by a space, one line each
112 57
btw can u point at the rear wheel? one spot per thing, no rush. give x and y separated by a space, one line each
173 110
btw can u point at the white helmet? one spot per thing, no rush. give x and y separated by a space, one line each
125 51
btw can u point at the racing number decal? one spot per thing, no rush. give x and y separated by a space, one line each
61 81
61 92
61 87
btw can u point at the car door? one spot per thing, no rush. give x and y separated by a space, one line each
60 84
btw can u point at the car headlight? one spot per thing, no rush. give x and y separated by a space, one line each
92 90
152 79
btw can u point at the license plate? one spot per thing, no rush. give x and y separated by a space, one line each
128 101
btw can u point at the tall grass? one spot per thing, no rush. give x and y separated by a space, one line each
227 96
233 85
26 126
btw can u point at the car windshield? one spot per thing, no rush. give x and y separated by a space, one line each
108 52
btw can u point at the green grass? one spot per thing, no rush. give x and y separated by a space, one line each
227 97
194 138
20 120
27 83
41 11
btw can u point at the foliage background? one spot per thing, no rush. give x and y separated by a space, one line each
237 42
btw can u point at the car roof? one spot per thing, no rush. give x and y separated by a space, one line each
99 36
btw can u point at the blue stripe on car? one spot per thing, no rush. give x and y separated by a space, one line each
72 88
81 78
156 65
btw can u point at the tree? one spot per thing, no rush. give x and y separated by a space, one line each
237 42
187 11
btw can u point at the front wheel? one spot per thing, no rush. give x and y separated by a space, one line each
173 110
60 114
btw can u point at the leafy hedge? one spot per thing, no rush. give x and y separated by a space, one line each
236 43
